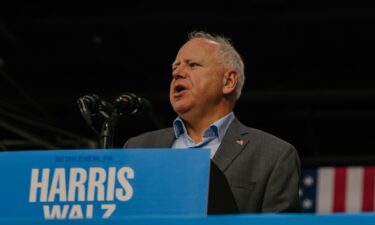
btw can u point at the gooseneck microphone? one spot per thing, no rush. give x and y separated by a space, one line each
88 104
91 106
130 104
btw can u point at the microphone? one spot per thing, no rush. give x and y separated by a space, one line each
130 104
90 105
126 104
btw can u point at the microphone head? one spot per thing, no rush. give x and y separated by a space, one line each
88 105
105 109
91 106
130 104
126 103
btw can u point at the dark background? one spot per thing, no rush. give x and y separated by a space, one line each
309 68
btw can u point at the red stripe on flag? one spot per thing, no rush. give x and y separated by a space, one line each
339 190
368 189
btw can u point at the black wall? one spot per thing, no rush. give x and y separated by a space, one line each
309 67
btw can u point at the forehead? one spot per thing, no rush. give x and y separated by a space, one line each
198 47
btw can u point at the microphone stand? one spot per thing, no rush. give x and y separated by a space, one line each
106 135
108 129
127 104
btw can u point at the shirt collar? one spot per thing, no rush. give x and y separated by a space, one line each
217 129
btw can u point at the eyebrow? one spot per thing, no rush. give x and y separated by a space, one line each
179 62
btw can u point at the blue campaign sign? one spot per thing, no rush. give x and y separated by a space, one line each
93 184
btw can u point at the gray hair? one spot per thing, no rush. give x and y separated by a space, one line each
231 58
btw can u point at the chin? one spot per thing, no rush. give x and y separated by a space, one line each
180 109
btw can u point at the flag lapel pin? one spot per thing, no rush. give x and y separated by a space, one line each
239 141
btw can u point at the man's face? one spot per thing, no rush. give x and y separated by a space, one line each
197 83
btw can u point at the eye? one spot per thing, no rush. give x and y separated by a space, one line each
194 64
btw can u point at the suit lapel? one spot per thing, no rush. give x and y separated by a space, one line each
166 140
232 144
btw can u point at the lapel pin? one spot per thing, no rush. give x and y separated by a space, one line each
239 141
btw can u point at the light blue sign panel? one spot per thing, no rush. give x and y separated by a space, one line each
243 219
95 184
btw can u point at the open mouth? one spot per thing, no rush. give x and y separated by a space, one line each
179 89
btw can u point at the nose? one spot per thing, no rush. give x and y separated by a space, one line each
179 72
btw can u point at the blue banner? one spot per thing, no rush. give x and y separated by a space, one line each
93 184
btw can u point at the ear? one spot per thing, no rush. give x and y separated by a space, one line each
229 82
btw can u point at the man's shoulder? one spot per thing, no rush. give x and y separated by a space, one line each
267 147
151 139
267 137
263 138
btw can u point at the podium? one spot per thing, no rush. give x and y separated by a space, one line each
118 186
103 184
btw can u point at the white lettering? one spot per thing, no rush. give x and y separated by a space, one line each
111 183
77 180
122 174
76 212
110 208
56 212
97 177
71 212
80 184
89 211
58 185
35 184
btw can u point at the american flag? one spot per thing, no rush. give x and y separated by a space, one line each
337 189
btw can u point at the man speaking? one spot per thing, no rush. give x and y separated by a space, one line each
260 172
